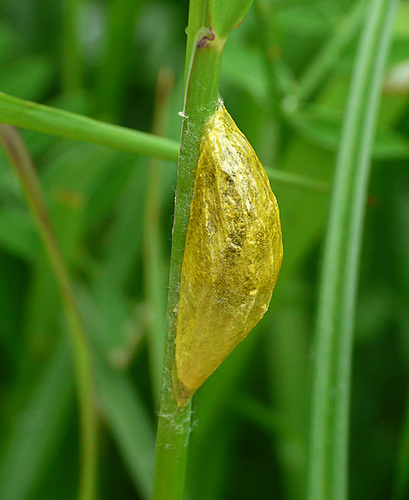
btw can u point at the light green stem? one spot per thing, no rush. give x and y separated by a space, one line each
327 475
200 103
26 114
41 118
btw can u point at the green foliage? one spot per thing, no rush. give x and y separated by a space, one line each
250 419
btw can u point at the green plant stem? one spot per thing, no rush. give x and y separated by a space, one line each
327 58
200 103
329 426
26 114
21 161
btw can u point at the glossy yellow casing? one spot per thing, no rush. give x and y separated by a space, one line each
232 256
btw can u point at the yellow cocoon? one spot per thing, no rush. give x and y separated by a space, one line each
232 256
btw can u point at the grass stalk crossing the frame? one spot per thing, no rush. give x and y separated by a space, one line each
329 426
49 120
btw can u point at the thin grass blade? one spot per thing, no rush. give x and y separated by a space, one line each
329 427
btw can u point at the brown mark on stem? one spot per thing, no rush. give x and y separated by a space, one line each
209 37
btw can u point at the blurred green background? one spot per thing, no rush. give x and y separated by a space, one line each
102 59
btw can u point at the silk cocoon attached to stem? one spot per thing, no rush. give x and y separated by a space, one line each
232 258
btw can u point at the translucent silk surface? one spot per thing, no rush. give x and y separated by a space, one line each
232 256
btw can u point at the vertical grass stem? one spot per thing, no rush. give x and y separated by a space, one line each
328 447
201 93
